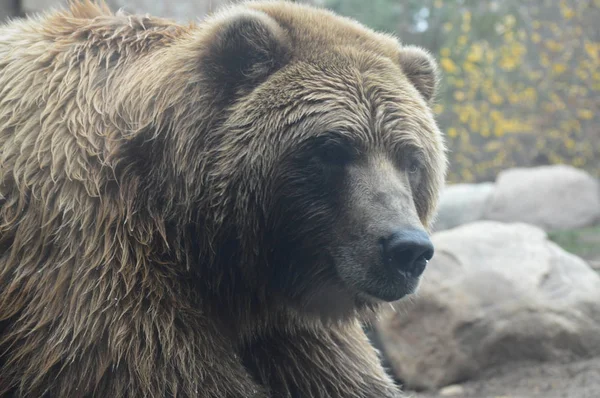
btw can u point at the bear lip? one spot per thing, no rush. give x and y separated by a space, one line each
391 290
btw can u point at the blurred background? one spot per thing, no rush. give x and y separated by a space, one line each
510 304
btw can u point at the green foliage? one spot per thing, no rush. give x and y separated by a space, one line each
380 14
584 242
521 82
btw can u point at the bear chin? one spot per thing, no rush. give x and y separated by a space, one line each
336 300
391 290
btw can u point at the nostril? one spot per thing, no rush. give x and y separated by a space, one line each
428 254
400 256
408 250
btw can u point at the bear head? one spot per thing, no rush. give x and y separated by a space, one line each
320 172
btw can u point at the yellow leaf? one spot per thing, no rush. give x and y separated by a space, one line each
448 65
553 45
469 67
467 175
592 49
583 75
585 114
493 146
549 107
475 53
459 95
508 63
510 20
567 12
570 144
559 68
485 128
498 130
452 133
467 15
530 94
535 75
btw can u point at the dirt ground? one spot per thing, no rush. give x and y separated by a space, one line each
573 380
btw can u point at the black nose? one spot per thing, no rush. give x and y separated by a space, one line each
408 251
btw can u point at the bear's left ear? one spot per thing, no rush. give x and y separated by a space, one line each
243 48
421 69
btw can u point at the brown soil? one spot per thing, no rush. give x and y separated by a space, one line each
573 380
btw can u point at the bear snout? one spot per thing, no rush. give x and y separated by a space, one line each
407 251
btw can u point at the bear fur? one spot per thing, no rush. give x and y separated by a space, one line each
165 229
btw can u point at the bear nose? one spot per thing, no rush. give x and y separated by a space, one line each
407 250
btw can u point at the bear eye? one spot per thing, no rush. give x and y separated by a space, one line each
333 151
414 166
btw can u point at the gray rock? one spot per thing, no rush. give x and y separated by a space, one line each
454 390
8 9
595 264
551 197
493 294
462 204
37 6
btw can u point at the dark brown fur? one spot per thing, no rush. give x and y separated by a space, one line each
146 243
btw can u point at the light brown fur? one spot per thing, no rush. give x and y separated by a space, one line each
140 185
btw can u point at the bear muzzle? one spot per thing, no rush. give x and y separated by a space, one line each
407 251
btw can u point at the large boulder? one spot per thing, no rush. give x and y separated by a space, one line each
493 294
37 6
462 204
8 9
551 197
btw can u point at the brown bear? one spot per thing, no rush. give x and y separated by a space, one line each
208 210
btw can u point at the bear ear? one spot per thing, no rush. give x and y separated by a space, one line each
244 48
421 69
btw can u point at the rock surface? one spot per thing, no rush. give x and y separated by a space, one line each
461 204
580 379
550 197
494 294
8 9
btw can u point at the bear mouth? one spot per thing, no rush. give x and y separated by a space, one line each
377 282
389 289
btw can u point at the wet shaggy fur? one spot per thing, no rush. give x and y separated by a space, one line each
162 224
